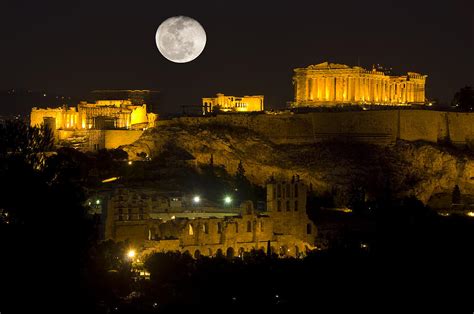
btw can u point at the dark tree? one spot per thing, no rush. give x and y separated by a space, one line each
464 99
456 195
211 161
240 173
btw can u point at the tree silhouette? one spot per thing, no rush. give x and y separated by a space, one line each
464 99
240 173
456 196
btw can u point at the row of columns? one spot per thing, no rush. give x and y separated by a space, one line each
361 89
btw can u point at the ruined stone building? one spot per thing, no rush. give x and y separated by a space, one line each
103 114
93 126
137 97
327 84
153 224
232 103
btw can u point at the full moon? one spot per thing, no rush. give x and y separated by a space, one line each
180 39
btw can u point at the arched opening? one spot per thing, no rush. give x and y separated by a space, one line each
191 230
249 226
197 254
219 253
230 252
297 251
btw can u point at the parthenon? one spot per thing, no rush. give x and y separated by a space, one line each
327 84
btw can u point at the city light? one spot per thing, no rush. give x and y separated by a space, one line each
227 200
196 199
470 214
130 163
131 254
110 179
97 202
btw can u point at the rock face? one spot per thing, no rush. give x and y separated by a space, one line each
406 168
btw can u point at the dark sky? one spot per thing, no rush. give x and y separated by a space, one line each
252 46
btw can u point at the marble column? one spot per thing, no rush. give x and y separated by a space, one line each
315 89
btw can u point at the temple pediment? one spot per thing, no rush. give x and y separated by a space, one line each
327 65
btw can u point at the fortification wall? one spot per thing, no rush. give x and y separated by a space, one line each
377 127
92 140
116 138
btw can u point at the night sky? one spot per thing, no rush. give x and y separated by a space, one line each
73 47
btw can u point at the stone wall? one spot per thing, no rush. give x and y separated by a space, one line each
377 127
116 138
93 140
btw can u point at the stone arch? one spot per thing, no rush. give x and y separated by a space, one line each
230 253
219 253
197 254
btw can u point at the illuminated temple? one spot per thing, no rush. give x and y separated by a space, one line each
232 103
99 124
103 114
327 84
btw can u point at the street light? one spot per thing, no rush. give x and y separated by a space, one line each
131 254
227 200
196 199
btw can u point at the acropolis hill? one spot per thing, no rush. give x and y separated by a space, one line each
310 145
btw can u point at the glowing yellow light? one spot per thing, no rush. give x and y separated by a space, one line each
130 162
470 214
131 253
97 202
228 200
110 179
196 199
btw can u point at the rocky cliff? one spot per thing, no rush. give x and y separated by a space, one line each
406 168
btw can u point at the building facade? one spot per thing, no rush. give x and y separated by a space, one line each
103 114
328 84
284 228
232 103
137 97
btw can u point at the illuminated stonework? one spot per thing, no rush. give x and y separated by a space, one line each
103 114
232 103
161 224
327 84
